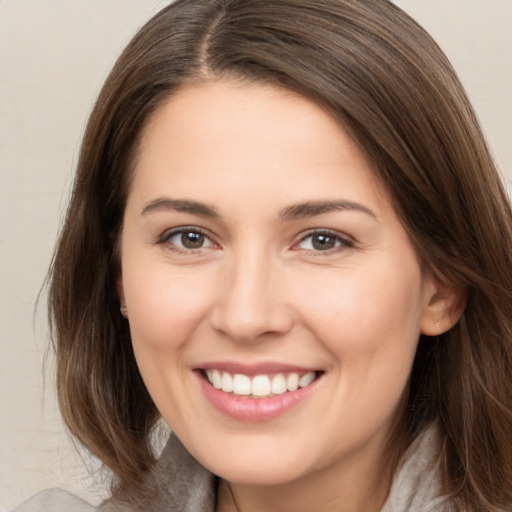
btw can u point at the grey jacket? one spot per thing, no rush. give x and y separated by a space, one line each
179 483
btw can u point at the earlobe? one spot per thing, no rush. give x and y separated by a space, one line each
444 307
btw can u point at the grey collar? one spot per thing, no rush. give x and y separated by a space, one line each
418 484
177 482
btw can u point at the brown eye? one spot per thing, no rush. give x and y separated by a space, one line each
192 240
186 239
323 241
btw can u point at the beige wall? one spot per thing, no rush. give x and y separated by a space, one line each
54 56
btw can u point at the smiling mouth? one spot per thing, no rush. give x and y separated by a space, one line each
259 386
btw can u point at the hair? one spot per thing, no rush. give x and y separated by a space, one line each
388 83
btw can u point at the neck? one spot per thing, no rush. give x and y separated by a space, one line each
330 490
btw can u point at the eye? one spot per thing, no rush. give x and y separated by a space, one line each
324 241
186 239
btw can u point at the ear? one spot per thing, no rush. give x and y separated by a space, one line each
120 294
444 306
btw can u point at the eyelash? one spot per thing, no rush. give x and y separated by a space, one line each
165 239
342 243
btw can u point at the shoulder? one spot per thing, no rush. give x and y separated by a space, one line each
54 500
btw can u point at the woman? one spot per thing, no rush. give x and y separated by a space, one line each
300 254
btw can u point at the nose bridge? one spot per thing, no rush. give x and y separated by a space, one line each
249 304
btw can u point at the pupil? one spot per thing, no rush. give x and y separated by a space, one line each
323 242
192 240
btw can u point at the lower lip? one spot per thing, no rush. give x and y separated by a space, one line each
243 408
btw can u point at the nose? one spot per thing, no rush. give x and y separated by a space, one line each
251 304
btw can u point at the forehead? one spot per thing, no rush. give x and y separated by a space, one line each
255 136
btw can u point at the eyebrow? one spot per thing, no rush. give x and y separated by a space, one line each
313 208
293 212
180 205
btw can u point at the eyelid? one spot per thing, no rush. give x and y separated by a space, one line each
346 242
164 239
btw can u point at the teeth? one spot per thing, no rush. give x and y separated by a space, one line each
216 379
279 385
241 384
227 382
306 380
260 385
292 382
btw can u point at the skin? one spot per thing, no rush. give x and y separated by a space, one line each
258 290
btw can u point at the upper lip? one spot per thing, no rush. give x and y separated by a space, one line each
262 368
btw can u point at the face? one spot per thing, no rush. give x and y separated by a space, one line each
274 298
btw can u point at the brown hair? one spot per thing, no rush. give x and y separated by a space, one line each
389 84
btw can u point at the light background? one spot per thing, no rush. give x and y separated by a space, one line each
54 56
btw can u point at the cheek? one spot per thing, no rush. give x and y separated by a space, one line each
164 307
370 324
164 313
365 308
369 321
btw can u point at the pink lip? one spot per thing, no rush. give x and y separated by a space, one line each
251 370
254 410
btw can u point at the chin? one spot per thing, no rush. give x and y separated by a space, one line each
257 463
263 475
